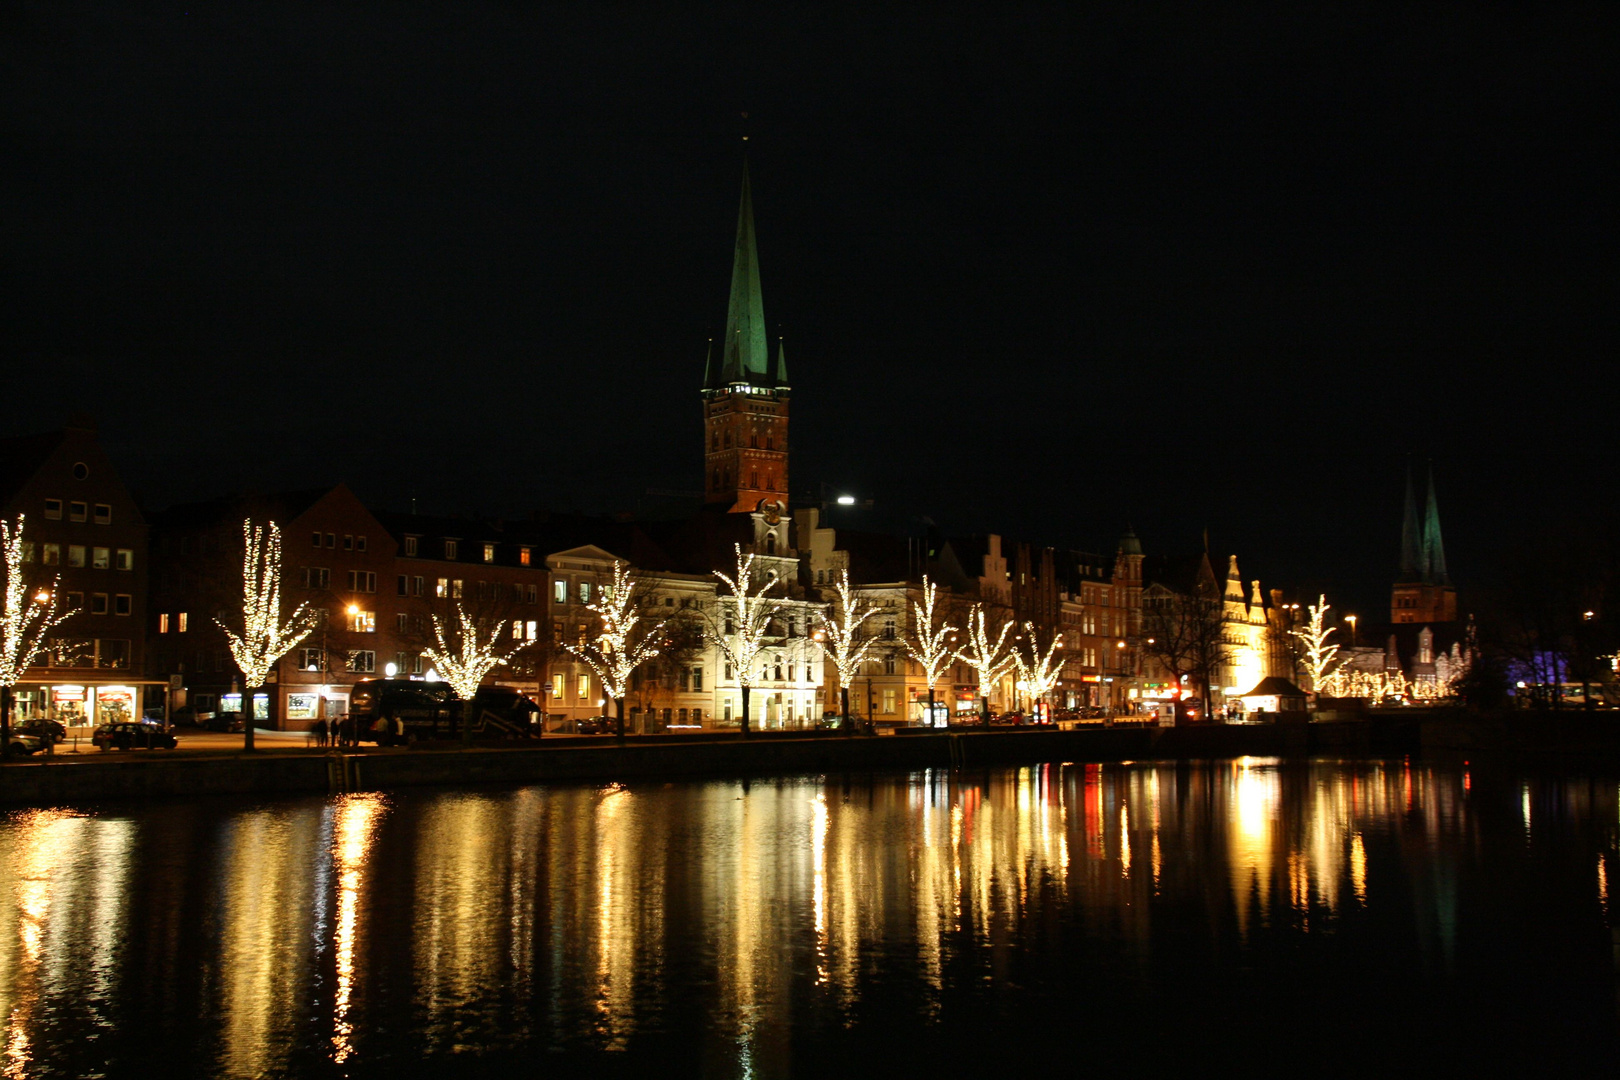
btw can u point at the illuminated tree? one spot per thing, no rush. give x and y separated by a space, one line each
29 613
844 640
929 643
741 629
1318 654
464 654
989 659
1037 671
265 637
627 639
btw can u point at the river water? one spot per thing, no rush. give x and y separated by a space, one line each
1300 918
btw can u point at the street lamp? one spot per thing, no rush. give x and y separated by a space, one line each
1351 619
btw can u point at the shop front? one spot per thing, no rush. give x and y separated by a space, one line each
83 704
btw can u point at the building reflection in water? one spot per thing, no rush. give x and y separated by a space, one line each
738 917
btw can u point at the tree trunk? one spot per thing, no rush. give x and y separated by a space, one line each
620 702
930 705
984 708
468 708
5 721
745 710
848 724
247 717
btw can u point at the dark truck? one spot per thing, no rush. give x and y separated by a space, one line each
396 712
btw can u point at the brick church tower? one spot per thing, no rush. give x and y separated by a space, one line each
745 395
1423 592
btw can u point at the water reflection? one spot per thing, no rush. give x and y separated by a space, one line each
750 928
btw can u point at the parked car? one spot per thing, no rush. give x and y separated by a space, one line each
595 725
224 721
26 744
46 729
134 735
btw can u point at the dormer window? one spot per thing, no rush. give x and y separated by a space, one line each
450 549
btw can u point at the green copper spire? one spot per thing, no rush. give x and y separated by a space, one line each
1434 549
744 354
781 363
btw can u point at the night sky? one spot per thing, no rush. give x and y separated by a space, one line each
1045 271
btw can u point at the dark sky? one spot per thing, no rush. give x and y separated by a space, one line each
1041 270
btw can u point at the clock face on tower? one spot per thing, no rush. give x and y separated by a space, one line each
772 509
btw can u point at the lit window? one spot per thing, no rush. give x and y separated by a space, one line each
123 604
442 589
362 622
103 514
559 588
163 623
75 554
523 556
533 629
489 552
53 509
28 551
584 592
557 678
363 660
311 660
584 685
100 558
124 559
181 619
78 511
455 588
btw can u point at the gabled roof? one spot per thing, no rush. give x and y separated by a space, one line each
1274 686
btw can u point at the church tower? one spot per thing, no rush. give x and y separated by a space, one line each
745 394
1423 591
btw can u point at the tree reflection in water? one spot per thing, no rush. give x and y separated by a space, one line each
809 923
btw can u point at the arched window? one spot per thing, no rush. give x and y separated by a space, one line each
728 439
717 478
753 478
714 440
770 543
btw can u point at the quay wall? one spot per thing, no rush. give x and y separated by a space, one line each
114 776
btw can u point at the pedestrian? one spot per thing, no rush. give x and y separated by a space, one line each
345 731
319 730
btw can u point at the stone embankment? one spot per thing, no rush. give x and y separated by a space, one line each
155 774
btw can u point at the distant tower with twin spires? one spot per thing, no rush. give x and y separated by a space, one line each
745 393
1423 591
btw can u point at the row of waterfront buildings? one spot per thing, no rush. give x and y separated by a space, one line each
148 588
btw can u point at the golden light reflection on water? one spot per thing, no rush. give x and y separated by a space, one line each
553 916
357 818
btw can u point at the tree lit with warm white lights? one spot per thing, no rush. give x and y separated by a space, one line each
29 614
465 650
741 629
1037 669
626 641
845 641
929 641
986 652
265 636
1319 655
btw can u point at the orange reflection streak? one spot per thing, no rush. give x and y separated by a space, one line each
1358 868
1253 802
357 819
266 915
818 853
